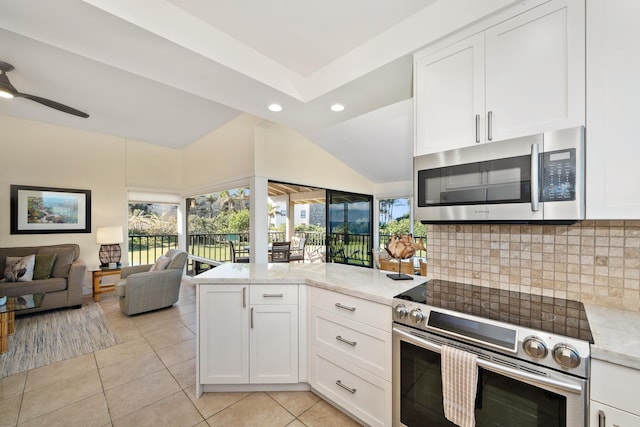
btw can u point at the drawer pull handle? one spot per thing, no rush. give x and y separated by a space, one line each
602 420
351 343
345 307
349 389
272 295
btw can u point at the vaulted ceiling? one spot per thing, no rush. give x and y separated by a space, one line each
168 72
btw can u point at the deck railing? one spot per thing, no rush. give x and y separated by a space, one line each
352 249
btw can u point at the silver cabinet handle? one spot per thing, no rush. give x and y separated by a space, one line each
251 317
244 297
349 389
602 419
535 176
477 128
272 295
490 125
345 307
351 343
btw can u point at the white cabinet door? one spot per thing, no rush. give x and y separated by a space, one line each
274 344
606 416
613 100
535 71
223 334
449 97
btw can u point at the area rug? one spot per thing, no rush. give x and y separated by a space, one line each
44 338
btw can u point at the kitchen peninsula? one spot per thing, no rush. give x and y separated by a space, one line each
325 327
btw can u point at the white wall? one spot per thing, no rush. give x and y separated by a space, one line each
290 157
225 155
51 156
152 168
44 155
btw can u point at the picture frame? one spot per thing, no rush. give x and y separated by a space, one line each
41 210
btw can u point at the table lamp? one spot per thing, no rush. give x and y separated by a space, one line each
109 238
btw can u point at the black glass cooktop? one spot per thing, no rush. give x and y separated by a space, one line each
548 314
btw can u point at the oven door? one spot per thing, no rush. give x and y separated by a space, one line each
506 396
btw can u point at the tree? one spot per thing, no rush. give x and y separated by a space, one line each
239 221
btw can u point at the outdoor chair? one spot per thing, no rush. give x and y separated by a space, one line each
234 254
150 287
280 252
298 245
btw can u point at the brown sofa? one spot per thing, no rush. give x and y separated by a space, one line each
62 289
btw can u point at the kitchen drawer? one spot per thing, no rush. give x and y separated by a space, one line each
615 385
364 395
367 347
371 313
273 294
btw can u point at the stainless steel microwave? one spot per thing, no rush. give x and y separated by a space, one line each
525 180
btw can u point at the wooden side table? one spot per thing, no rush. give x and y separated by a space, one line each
97 281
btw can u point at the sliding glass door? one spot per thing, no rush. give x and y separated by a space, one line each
349 228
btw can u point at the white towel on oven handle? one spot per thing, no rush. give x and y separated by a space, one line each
459 385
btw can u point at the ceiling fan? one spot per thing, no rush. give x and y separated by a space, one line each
7 90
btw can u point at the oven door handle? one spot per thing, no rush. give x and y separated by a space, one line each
491 366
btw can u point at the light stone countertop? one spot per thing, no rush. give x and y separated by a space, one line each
616 335
366 283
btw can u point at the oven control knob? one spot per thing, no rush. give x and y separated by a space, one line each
401 311
417 316
566 356
535 347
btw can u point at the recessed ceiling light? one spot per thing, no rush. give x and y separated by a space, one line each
275 107
337 107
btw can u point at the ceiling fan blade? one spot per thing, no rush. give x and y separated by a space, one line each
53 104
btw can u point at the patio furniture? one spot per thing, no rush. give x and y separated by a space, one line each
234 254
280 252
298 245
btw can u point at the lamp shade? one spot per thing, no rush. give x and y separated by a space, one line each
109 235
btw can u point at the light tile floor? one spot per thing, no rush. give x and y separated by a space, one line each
148 380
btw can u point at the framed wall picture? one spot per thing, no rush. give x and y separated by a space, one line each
39 210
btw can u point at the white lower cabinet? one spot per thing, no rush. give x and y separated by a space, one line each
273 336
245 343
615 392
606 416
359 392
223 334
350 354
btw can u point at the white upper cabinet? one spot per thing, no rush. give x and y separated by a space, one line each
449 89
523 76
613 103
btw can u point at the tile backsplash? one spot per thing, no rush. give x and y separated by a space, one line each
591 261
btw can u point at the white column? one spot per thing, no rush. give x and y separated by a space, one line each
259 226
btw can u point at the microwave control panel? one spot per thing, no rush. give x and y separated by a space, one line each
558 175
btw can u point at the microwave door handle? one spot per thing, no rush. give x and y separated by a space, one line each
535 177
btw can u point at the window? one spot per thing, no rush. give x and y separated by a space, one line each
349 219
217 220
395 218
303 213
153 229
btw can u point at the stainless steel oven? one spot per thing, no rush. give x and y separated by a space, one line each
529 179
526 376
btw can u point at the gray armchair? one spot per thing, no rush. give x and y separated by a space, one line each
143 290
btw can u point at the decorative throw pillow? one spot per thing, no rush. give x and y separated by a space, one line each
161 263
19 269
43 267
